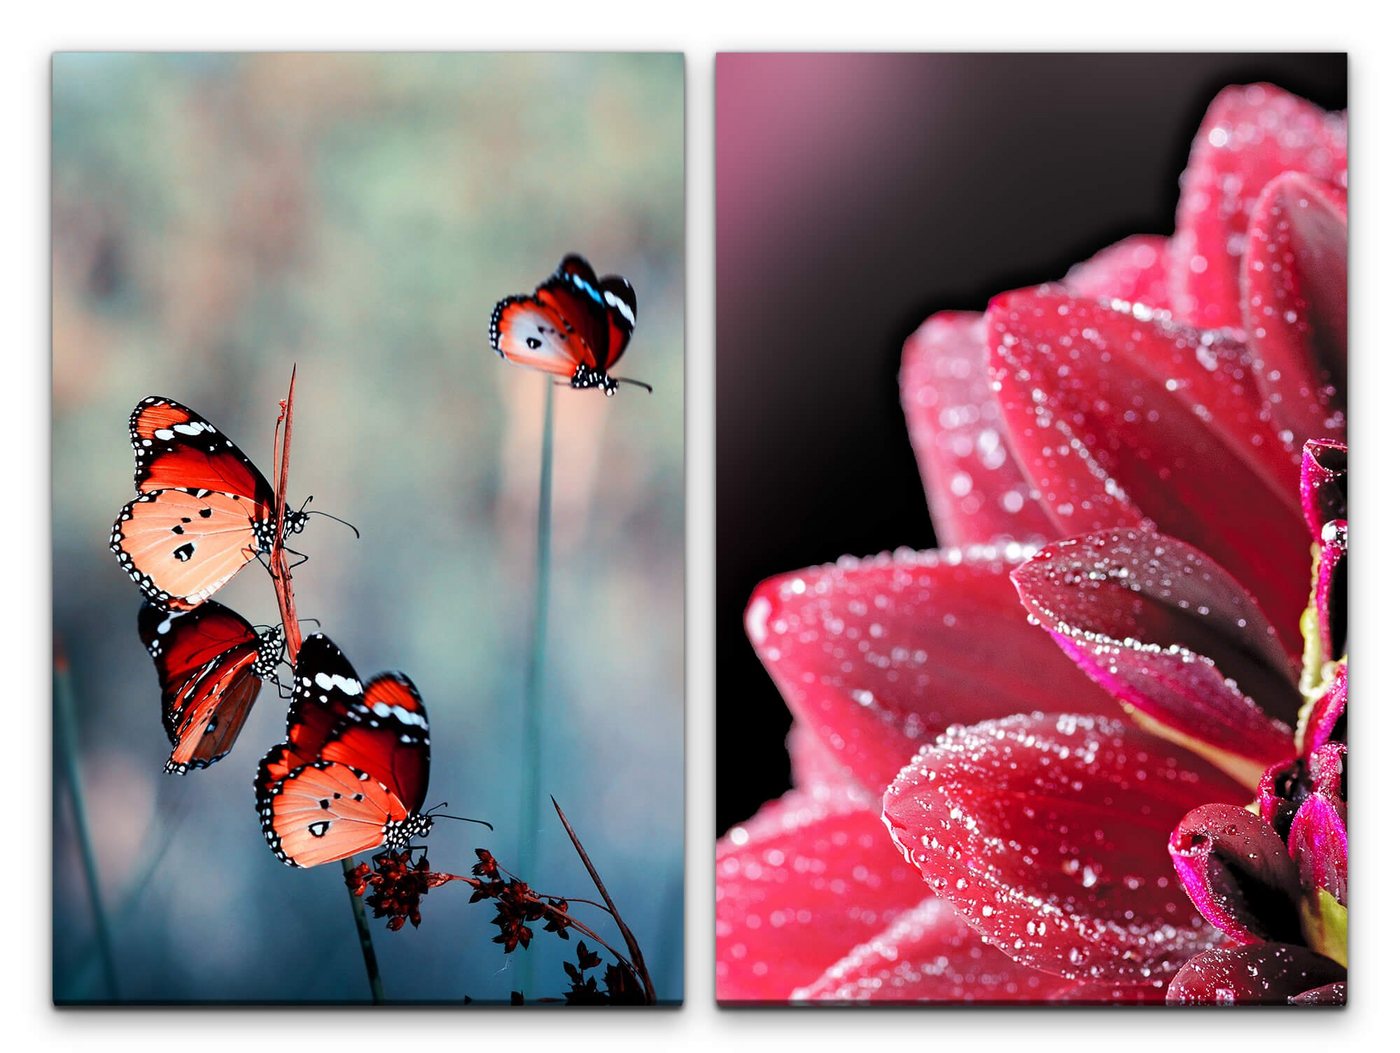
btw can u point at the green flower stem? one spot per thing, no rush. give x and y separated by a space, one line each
534 671
357 908
66 727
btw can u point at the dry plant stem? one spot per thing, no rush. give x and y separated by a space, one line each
571 900
281 574
542 899
67 729
287 605
632 946
574 923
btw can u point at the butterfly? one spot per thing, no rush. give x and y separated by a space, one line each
211 664
353 773
204 509
574 326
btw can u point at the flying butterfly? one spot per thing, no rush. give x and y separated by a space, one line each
211 664
353 773
204 509
574 326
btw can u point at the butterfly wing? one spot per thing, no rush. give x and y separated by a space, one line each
603 312
180 546
573 294
176 448
386 734
355 760
530 333
182 644
324 811
571 320
325 689
208 716
211 664
621 303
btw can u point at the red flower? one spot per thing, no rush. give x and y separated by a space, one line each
1273 877
1136 429
396 886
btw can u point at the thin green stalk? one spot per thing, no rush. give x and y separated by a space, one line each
357 907
534 671
66 728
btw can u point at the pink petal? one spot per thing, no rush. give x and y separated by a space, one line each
878 656
1238 873
1285 786
1318 842
975 489
1261 974
1049 832
799 885
1295 286
1119 415
1327 773
816 768
1327 994
1277 787
1330 593
1133 270
1327 714
1323 486
1249 136
929 954
1168 632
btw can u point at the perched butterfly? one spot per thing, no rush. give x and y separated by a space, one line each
353 773
574 325
204 509
211 664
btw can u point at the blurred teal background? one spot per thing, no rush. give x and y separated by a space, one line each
217 218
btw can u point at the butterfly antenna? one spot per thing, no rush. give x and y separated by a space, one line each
316 621
637 383
342 522
459 818
464 819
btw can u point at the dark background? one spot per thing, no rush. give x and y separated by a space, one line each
856 195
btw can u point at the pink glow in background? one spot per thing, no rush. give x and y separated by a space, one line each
855 196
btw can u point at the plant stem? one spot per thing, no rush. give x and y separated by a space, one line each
67 728
534 670
291 628
357 907
573 923
633 947
277 559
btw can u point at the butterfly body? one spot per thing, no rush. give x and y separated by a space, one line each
574 325
203 510
211 664
353 773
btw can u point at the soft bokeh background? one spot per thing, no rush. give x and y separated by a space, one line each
856 194
218 218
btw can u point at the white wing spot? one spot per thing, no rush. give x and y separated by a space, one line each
348 684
